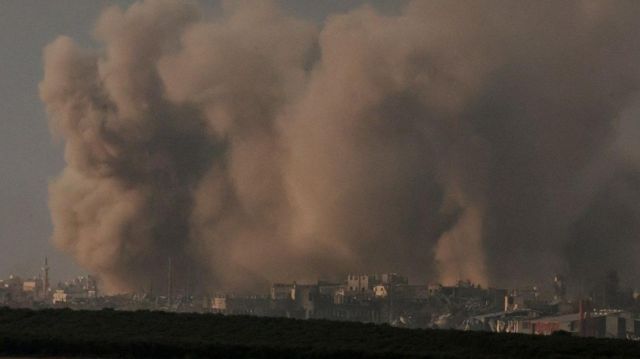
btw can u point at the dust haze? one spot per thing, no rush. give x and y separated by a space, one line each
457 140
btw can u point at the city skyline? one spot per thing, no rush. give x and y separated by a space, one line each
607 309
325 178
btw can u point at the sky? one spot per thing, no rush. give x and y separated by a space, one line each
29 156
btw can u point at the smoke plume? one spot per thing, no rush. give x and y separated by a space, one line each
454 140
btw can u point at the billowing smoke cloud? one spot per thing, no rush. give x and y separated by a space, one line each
456 140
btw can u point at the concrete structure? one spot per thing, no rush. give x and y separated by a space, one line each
252 305
219 304
305 297
411 292
46 285
4 296
13 287
333 292
391 279
282 291
59 296
33 289
358 283
82 288
515 321
513 302
381 291
548 325
559 288
364 283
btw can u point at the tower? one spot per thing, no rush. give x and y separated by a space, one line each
170 283
45 271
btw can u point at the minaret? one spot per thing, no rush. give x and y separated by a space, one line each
45 270
170 283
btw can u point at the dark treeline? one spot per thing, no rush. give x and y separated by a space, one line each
109 333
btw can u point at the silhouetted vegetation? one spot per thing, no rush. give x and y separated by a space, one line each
110 333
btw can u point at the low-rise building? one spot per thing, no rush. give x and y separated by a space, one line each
219 304
4 296
59 296
33 289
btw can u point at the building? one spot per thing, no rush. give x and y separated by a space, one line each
33 289
251 305
514 321
305 297
409 292
331 292
13 288
391 279
358 283
559 288
4 296
219 304
59 296
46 285
282 291
381 291
80 289
365 283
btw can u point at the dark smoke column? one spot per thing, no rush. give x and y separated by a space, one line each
121 205
172 149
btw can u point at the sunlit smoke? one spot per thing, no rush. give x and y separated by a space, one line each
456 140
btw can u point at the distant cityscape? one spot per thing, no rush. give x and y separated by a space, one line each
382 298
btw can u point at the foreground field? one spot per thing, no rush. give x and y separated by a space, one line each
107 333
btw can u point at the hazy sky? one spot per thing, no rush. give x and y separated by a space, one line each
29 158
